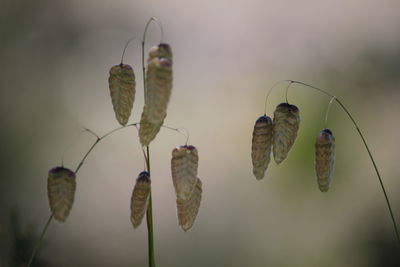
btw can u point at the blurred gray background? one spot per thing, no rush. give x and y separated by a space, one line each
55 57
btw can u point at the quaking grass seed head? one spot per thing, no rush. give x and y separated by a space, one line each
188 209
286 125
61 186
184 164
158 88
122 91
324 159
139 199
261 145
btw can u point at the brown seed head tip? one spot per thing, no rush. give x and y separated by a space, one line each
144 177
325 136
288 108
323 189
61 172
116 69
264 118
185 147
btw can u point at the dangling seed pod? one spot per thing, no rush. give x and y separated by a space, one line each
158 92
188 209
184 166
122 90
158 88
139 198
61 186
286 124
148 130
261 145
324 159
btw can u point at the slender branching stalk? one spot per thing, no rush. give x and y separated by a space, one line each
334 98
49 220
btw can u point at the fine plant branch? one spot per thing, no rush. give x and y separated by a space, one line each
365 144
49 220
126 46
327 111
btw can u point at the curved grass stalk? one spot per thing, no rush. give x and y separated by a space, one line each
49 220
366 146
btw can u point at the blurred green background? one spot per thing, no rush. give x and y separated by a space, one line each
55 57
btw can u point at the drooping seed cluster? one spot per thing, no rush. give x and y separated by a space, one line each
188 187
184 163
324 159
122 90
277 135
61 186
280 134
158 92
139 199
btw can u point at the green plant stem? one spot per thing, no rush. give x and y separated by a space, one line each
149 218
368 150
149 212
49 220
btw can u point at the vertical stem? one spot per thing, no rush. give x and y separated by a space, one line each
149 218
149 212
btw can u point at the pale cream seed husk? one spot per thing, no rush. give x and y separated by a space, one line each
286 125
261 146
188 209
158 89
324 159
61 186
122 91
139 198
148 130
184 164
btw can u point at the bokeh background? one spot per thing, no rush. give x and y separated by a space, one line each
55 57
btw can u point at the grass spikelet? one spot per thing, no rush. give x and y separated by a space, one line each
139 198
286 125
188 209
261 145
158 89
122 90
148 130
61 186
158 92
324 159
184 166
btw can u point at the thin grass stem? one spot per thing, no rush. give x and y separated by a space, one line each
46 226
149 212
367 148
